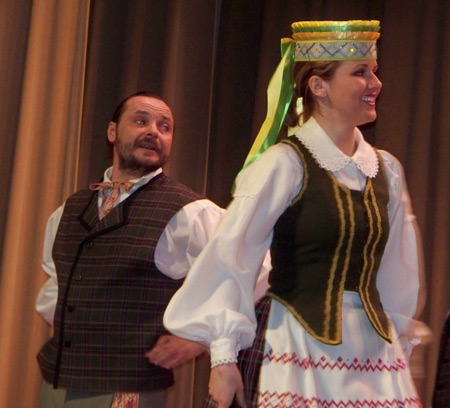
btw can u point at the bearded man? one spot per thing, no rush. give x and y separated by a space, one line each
115 252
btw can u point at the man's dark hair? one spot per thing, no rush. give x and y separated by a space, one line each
121 107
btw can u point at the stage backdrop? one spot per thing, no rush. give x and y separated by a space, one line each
65 64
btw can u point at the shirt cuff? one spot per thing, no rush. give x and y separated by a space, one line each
223 351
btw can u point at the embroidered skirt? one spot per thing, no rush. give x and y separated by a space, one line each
293 370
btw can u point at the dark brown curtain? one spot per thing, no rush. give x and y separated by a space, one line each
414 124
211 60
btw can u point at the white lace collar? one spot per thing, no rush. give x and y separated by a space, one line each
329 157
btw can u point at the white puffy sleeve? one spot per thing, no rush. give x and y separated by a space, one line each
48 294
215 304
185 236
399 276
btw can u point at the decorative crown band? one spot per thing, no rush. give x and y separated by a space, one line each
335 50
334 40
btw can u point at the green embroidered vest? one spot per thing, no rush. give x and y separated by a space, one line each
329 240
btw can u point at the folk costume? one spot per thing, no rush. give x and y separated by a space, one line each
335 327
111 277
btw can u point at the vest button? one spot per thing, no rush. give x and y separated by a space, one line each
77 277
67 344
90 244
70 309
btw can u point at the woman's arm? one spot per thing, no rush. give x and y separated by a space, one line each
215 304
400 276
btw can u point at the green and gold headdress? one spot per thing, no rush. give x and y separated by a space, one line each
311 41
334 40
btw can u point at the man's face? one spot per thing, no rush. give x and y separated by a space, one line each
142 138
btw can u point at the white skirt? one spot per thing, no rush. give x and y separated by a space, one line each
363 372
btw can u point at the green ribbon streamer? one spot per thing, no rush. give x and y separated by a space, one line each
279 96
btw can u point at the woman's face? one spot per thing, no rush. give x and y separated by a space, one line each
352 92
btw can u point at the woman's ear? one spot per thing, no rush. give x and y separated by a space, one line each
317 86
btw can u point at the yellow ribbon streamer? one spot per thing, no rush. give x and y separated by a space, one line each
279 95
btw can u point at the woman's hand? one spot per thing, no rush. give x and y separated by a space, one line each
226 383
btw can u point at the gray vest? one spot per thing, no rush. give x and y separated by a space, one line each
111 295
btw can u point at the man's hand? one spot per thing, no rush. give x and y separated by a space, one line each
172 351
226 383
